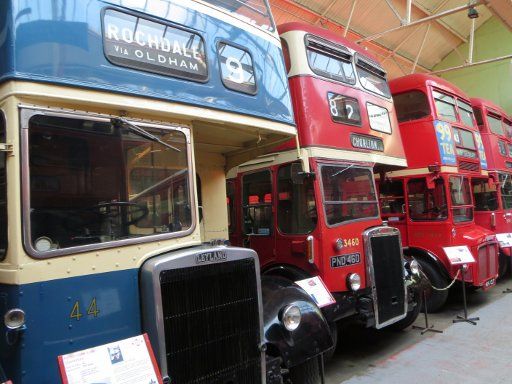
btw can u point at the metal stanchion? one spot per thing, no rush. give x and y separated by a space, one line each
460 319
427 327
508 290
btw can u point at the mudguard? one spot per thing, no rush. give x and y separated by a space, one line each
313 335
419 253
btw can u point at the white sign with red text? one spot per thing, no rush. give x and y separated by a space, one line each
316 288
459 255
129 361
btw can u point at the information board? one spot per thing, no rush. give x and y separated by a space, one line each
316 288
459 255
129 361
505 239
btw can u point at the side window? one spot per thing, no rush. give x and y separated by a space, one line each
478 115
296 207
392 197
257 203
411 105
3 192
426 204
485 195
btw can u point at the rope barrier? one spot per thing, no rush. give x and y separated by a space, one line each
447 287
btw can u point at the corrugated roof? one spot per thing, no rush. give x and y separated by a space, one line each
396 50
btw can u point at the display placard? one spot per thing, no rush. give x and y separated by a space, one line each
316 288
379 118
128 361
459 255
505 239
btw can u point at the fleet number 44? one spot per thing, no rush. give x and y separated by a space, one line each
92 310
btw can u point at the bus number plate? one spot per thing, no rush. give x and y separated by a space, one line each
345 260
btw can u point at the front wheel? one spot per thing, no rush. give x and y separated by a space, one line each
308 372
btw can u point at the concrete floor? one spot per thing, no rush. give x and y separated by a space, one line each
463 353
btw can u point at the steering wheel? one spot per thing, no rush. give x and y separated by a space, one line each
105 209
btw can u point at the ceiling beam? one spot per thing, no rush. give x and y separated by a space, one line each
288 6
421 21
442 23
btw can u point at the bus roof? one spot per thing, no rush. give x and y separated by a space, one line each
417 80
490 105
326 34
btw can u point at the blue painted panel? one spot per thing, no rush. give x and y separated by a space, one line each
51 329
445 142
61 42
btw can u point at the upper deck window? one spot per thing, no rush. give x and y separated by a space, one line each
372 76
411 105
445 106
508 128
255 12
465 142
495 125
95 182
348 193
460 193
330 60
478 115
465 113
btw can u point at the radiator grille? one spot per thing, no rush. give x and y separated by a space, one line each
487 262
388 277
469 166
211 323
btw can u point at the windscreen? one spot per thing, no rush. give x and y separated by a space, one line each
460 194
94 182
253 11
485 195
348 193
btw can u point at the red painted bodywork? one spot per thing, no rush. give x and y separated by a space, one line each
317 129
421 148
497 163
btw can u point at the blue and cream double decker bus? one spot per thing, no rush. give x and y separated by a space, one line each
118 120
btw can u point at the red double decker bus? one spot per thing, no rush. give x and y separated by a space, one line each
431 201
313 209
493 197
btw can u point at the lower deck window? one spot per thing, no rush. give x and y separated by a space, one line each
427 204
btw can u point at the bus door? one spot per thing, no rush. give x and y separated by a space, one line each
392 205
427 208
296 214
257 221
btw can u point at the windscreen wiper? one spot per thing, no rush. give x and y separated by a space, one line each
120 122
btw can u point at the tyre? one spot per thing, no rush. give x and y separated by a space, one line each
334 333
503 266
411 315
306 373
435 299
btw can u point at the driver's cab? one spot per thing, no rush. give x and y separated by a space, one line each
99 180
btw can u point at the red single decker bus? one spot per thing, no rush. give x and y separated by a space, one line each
431 201
312 209
493 197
